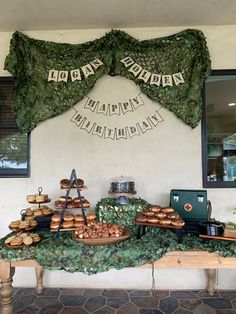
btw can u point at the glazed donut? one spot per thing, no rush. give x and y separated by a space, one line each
155 208
59 205
161 215
63 199
91 216
56 218
165 221
178 223
68 224
174 215
80 183
54 226
141 218
79 217
153 220
79 224
167 210
65 184
71 205
148 213
77 199
68 217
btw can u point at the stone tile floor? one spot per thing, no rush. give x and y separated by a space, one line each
84 301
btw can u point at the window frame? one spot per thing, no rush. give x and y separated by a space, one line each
205 183
14 173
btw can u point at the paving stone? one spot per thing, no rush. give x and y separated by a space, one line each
204 309
168 305
141 293
183 295
105 310
73 309
44 301
77 291
116 302
217 303
50 292
92 292
115 293
145 302
182 311
189 304
229 295
149 311
205 294
128 308
29 310
72 300
23 301
52 308
95 303
160 294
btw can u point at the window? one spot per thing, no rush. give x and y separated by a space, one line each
14 146
219 130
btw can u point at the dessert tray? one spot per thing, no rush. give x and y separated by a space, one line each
34 240
103 241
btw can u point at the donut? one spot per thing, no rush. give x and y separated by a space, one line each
174 215
167 210
85 204
79 224
68 217
141 218
152 220
91 216
148 213
165 221
71 205
79 217
65 184
80 183
155 208
59 205
178 223
161 215
68 224
54 226
77 199
63 199
56 218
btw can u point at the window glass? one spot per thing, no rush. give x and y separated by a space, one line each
14 152
219 130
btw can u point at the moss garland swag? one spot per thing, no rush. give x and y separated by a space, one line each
37 99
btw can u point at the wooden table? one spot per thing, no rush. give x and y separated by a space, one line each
178 259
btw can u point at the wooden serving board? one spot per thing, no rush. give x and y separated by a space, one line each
217 237
63 229
148 224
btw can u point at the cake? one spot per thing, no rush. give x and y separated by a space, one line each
122 185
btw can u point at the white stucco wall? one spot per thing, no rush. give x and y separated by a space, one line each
169 156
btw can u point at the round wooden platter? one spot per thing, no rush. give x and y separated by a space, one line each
21 245
103 241
41 202
22 229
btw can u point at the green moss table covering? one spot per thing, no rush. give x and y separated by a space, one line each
109 212
60 252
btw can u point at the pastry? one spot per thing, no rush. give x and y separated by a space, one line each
174 215
27 240
59 205
152 220
65 183
31 198
67 224
148 213
178 223
54 225
91 216
155 208
38 213
80 183
40 198
29 212
141 218
46 211
64 199
165 221
79 217
32 223
9 239
16 241
161 215
56 218
167 210
79 224
68 217
71 205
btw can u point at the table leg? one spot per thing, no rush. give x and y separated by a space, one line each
211 273
6 274
39 270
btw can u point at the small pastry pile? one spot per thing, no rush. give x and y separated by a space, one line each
99 230
23 225
70 221
65 183
164 216
22 239
31 213
37 198
71 202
